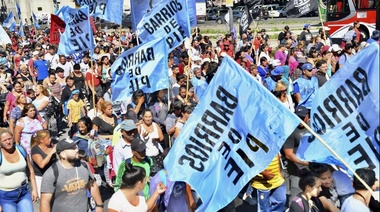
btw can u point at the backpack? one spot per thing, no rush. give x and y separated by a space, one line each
298 200
20 148
54 106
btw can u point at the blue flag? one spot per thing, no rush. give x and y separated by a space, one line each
231 136
169 20
142 67
141 7
345 113
35 21
18 10
21 30
78 35
110 10
200 87
10 22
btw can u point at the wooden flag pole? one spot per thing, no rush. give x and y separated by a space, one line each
335 154
121 26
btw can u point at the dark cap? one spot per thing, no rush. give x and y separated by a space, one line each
348 46
42 53
138 145
301 111
64 144
132 115
48 47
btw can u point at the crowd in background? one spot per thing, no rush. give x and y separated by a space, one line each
44 95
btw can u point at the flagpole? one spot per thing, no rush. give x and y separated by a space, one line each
335 154
93 86
121 26
321 19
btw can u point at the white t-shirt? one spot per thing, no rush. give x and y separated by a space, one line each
119 203
67 67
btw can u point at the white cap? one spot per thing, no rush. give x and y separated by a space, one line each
196 58
276 62
336 48
35 53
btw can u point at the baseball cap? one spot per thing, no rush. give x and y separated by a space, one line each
128 125
76 91
307 66
226 43
138 145
326 49
348 46
132 116
277 71
301 111
306 26
276 62
336 48
64 144
196 58
35 53
41 53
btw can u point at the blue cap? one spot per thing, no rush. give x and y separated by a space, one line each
277 71
74 92
306 26
307 66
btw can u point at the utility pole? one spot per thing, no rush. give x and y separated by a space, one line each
230 4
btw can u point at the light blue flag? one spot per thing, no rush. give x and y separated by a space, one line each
78 35
10 22
232 135
142 67
21 30
345 113
35 21
168 20
110 10
200 87
18 10
141 7
4 37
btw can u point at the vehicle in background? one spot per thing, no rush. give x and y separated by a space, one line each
279 12
211 14
201 10
259 13
341 14
236 15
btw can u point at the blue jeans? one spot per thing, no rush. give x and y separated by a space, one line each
272 200
17 200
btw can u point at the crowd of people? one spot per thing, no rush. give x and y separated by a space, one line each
124 143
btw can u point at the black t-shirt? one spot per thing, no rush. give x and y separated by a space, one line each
293 142
103 127
37 170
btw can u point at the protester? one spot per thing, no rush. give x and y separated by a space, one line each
16 193
105 123
10 100
68 172
129 197
16 113
43 155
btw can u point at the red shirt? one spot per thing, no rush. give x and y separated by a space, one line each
89 79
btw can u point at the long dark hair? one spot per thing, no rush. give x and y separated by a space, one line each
26 109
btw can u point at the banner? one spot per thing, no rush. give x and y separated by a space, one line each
35 21
4 37
297 8
110 10
18 10
345 113
57 26
231 136
141 7
10 22
78 36
142 67
245 20
200 87
169 20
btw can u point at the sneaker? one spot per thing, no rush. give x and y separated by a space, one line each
60 133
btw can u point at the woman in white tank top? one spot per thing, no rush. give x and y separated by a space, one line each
15 194
151 134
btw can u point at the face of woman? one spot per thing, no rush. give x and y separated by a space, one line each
82 128
31 112
147 118
22 99
182 93
326 179
38 90
46 140
106 60
316 189
161 94
6 141
18 88
52 79
108 110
